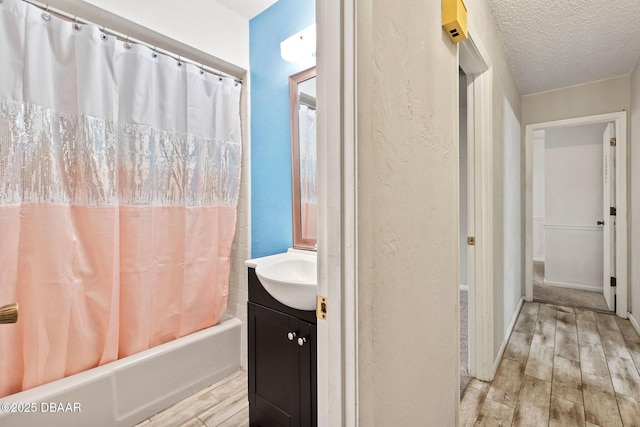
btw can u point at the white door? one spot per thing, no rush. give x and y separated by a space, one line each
608 201
470 227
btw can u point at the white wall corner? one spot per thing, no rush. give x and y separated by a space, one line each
505 340
634 323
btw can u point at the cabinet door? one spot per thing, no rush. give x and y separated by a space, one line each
274 368
308 375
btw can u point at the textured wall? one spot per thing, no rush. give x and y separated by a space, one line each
512 214
600 97
204 24
634 190
407 215
271 220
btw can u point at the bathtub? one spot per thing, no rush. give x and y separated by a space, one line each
127 391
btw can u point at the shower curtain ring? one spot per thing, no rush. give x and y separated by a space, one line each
76 26
45 15
127 45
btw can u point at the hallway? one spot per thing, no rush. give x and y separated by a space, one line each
561 367
564 296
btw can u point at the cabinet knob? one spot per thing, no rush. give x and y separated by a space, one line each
291 336
301 341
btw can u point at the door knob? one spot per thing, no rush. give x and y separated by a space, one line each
600 222
301 341
9 313
291 336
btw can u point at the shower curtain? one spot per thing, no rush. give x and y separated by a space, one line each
307 143
119 181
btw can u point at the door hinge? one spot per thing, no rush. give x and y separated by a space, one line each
471 240
321 307
613 282
613 142
612 211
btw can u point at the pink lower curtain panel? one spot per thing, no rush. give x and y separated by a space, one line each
119 181
307 130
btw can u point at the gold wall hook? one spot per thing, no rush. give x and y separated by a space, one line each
9 313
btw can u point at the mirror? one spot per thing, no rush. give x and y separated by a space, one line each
302 91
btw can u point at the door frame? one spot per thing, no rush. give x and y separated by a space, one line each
337 211
337 335
620 120
475 62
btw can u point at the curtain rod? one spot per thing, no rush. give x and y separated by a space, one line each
126 38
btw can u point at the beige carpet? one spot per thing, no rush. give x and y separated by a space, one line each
465 378
564 296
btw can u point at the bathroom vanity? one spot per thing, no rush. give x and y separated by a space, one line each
281 312
282 361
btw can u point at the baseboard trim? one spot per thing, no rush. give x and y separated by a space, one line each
505 340
464 288
590 288
634 323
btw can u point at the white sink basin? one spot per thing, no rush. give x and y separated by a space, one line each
291 278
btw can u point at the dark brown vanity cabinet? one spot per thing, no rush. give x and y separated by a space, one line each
282 362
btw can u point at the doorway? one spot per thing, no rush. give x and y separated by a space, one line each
568 219
575 238
464 182
477 242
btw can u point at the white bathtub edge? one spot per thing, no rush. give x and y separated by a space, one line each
118 393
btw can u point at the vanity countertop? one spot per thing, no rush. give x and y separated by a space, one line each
291 253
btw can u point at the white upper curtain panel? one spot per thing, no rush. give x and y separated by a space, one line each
91 120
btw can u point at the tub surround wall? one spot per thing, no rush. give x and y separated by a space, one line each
241 248
271 221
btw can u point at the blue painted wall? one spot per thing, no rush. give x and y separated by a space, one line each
271 218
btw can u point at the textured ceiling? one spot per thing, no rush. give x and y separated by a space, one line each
247 8
552 44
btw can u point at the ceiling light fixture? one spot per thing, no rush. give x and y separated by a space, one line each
300 47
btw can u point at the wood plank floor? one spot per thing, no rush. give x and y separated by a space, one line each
562 367
224 404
